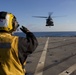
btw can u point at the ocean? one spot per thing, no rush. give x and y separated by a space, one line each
49 34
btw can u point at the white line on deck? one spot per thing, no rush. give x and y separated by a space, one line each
40 66
69 70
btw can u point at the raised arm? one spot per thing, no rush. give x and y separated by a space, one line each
27 44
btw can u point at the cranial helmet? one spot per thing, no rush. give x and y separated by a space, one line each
8 22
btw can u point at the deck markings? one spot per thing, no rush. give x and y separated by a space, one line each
40 66
69 70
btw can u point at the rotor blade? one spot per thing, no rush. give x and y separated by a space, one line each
39 16
58 16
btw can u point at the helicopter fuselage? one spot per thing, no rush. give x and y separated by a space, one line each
49 22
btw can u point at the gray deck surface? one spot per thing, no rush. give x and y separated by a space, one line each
60 57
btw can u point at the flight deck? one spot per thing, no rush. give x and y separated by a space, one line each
53 56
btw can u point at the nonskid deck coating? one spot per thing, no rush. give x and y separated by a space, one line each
61 54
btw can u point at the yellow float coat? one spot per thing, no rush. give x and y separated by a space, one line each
9 61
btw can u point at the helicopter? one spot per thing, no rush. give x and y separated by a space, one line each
49 20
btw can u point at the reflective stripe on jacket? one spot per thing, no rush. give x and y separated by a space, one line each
14 51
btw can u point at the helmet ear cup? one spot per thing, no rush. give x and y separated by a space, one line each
13 23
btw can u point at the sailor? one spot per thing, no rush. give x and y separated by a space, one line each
14 49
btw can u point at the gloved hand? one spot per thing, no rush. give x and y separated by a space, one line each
24 29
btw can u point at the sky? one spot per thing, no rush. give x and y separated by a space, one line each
25 9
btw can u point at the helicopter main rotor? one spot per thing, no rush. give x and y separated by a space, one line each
50 15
